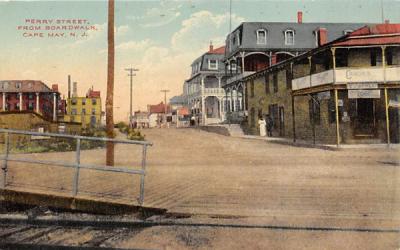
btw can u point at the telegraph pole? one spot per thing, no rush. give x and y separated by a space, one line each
165 103
131 74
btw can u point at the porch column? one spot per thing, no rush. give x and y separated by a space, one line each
4 101
54 106
20 101
203 104
242 57
293 120
219 82
384 63
220 107
244 96
387 117
37 103
337 118
333 50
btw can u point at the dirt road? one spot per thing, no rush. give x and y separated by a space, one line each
249 182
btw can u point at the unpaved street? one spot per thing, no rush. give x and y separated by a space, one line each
251 182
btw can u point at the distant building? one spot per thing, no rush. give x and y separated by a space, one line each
203 90
30 95
254 46
86 110
141 119
158 114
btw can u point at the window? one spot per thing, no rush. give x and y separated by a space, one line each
267 84
261 36
389 58
213 64
93 111
84 111
376 57
73 101
275 82
94 101
30 106
18 85
5 85
233 66
252 88
30 85
30 96
288 78
314 111
73 112
83 101
289 37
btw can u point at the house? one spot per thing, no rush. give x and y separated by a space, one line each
254 46
158 114
30 95
141 119
345 91
203 90
86 109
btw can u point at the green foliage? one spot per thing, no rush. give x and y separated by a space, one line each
136 135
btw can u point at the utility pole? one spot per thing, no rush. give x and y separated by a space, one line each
165 103
131 74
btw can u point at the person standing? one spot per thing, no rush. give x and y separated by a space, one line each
261 123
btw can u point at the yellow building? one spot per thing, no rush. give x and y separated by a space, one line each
85 110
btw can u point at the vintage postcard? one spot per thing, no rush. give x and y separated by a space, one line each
200 124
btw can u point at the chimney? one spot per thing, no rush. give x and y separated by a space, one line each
211 47
69 86
75 89
299 17
387 21
54 87
323 36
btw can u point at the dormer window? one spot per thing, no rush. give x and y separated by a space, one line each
346 32
289 37
5 85
18 85
212 64
261 36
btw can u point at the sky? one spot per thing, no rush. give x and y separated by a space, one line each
160 38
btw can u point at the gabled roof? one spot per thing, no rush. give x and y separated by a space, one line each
380 34
24 86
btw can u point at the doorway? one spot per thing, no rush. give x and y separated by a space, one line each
365 122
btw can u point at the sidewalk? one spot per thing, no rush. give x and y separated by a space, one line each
303 143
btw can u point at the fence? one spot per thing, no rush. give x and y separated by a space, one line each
77 165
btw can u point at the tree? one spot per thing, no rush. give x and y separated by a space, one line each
110 84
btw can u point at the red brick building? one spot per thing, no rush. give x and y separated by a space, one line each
33 95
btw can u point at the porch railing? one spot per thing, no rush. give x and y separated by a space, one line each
77 165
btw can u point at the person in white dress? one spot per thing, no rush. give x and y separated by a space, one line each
262 124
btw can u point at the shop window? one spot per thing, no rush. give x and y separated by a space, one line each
275 82
332 111
314 111
267 91
30 106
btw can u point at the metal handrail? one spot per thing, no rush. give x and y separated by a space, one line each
77 165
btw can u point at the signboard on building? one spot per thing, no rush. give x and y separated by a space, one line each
364 93
395 104
362 86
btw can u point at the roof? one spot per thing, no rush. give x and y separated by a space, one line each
219 51
179 99
380 34
24 86
183 111
158 108
93 94
304 35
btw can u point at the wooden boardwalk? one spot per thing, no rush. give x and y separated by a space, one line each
191 171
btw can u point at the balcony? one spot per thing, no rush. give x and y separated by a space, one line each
349 75
239 77
214 91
